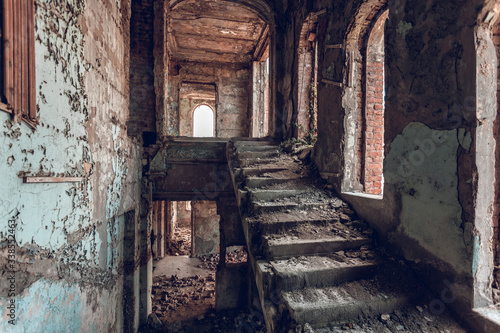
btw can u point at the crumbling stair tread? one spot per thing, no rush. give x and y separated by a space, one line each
256 148
288 246
264 195
261 182
322 271
347 302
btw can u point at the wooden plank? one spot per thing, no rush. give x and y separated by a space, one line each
338 84
8 51
335 46
16 37
31 59
32 179
219 45
23 31
221 28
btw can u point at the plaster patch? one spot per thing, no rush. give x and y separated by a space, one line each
422 165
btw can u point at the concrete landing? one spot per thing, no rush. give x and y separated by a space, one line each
182 266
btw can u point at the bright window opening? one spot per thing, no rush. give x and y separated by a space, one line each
203 121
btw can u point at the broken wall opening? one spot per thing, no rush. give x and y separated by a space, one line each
185 244
260 95
306 115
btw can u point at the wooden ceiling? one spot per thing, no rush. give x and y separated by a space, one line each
214 31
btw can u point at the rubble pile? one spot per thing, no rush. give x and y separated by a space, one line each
171 293
210 261
181 242
236 256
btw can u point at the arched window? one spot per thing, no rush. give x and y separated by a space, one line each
365 102
203 121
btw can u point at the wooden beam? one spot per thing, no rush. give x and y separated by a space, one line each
8 45
333 83
33 179
17 39
335 46
31 59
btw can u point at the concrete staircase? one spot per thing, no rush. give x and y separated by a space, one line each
311 256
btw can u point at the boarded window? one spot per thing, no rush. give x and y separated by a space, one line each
17 88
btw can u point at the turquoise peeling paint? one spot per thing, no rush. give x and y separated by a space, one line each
59 307
58 303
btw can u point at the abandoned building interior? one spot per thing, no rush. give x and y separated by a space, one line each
334 164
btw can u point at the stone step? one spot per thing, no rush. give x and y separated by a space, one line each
253 142
256 171
257 155
348 302
274 195
259 182
241 174
262 207
323 271
288 246
247 162
282 226
255 148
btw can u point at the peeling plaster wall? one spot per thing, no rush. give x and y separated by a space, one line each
69 236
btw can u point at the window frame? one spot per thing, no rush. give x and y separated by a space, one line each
18 95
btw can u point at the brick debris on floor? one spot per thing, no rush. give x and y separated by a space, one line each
180 244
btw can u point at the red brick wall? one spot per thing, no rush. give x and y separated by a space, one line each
370 99
374 132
